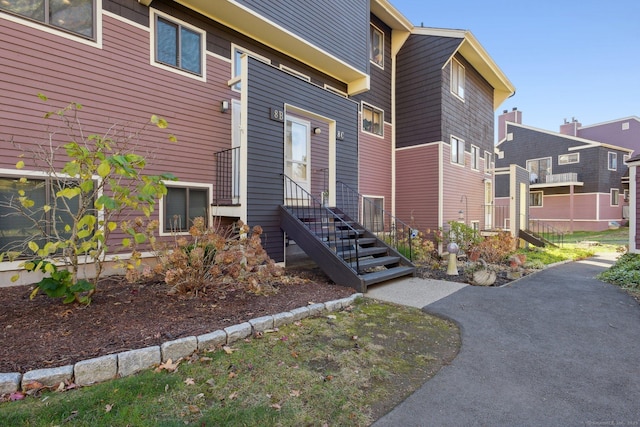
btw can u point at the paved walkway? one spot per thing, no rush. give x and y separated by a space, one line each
557 348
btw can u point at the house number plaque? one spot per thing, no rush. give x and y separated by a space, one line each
276 114
340 135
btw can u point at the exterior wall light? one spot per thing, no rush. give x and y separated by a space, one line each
224 106
317 131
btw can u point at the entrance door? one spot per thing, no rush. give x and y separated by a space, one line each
488 205
296 154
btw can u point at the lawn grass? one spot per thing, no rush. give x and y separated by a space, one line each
346 368
616 237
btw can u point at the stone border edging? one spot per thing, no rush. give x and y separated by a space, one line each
112 366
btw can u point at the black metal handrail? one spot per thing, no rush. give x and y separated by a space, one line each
334 232
545 231
227 174
375 219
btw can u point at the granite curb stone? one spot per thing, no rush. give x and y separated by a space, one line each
132 361
96 370
104 368
182 347
48 376
10 382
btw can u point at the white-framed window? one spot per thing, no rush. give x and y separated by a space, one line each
457 151
183 203
372 216
625 193
17 229
535 198
295 73
488 161
376 53
76 17
236 62
625 126
612 162
178 46
372 119
567 159
614 197
539 169
457 79
475 158
297 149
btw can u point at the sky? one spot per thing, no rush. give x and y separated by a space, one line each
566 58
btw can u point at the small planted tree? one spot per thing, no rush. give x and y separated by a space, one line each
91 182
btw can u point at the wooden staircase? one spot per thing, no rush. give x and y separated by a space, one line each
348 253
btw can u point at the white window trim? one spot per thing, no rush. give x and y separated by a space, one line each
612 198
336 91
490 166
615 156
203 45
541 199
379 135
538 159
569 155
451 151
182 184
382 47
464 73
97 42
475 160
295 73
236 78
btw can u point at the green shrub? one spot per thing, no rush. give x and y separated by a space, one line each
624 273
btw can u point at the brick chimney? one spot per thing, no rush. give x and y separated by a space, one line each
570 127
513 116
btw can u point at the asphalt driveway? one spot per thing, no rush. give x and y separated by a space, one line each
558 348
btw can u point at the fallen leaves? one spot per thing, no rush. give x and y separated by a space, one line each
228 349
169 366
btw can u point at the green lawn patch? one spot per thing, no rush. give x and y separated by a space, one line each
346 368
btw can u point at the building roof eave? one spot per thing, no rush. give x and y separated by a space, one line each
471 49
249 23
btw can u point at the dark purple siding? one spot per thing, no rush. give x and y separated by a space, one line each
271 88
380 94
592 169
340 27
419 89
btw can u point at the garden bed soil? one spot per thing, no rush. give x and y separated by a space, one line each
44 333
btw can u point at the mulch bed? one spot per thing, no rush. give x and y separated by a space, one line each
44 333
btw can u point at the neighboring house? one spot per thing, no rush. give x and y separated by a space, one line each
574 183
634 204
255 91
623 132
